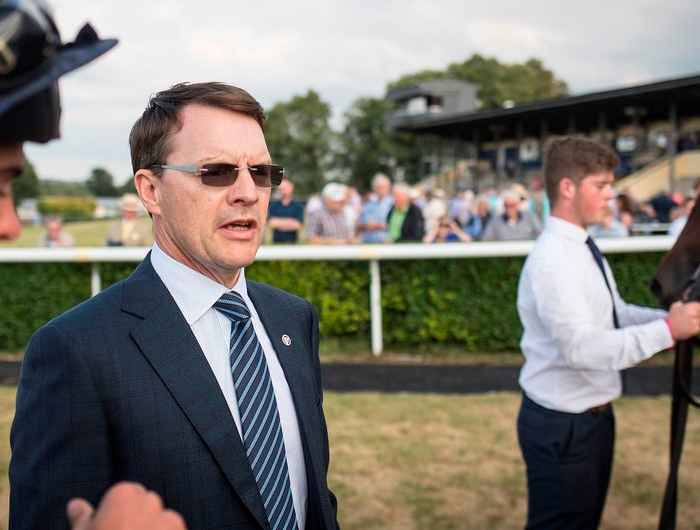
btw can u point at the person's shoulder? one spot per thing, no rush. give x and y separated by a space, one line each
80 322
84 314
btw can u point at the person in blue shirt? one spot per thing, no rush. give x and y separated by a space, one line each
286 216
372 221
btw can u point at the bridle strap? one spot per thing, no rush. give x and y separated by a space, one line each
682 372
682 397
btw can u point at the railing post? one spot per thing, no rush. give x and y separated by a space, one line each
95 279
375 307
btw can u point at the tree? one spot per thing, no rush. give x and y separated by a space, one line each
128 186
26 185
62 187
368 147
496 82
101 183
299 137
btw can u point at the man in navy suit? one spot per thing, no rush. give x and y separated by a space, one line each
186 377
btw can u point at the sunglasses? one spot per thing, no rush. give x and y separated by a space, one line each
220 175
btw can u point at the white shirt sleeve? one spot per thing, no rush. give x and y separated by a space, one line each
579 330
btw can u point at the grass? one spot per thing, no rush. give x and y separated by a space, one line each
417 462
85 234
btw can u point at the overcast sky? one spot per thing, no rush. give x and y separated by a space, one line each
343 50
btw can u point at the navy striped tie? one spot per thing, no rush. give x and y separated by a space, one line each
260 420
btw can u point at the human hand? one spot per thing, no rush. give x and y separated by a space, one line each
125 506
684 320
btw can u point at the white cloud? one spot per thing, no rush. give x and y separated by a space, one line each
343 50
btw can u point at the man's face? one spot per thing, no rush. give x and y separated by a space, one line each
511 207
53 229
286 188
333 205
214 230
401 199
11 164
382 188
591 201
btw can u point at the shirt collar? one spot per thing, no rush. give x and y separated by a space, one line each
560 227
193 292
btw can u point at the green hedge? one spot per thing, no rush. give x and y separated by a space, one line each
68 208
464 302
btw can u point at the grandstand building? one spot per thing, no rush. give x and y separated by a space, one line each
653 127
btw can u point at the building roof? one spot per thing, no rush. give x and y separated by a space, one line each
583 113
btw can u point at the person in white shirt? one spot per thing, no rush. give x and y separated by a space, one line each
578 334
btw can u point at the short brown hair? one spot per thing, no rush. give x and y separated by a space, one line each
150 135
575 157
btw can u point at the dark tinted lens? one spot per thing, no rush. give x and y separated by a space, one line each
266 175
219 174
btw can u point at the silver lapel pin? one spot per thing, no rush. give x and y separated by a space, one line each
286 340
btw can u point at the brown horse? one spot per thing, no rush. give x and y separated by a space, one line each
678 278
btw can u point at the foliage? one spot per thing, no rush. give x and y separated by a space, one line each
469 303
67 207
101 183
128 186
26 186
496 82
298 134
61 187
367 147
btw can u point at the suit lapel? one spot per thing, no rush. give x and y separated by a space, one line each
166 340
294 360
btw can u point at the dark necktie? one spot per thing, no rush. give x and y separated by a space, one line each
598 256
260 421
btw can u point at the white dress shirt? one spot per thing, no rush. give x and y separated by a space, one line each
573 353
195 294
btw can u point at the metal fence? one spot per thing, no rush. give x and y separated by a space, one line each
373 254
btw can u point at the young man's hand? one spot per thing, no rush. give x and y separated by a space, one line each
684 320
125 506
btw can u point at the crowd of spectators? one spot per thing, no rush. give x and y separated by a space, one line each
400 213
394 213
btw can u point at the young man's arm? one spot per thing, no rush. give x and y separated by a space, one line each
563 307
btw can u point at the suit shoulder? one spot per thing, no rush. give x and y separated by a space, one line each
107 301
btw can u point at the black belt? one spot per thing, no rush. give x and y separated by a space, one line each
600 409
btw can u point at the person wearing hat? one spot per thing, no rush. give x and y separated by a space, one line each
32 59
129 231
329 225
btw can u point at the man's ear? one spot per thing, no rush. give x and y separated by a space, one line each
148 187
567 188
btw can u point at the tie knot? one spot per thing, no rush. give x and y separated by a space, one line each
232 306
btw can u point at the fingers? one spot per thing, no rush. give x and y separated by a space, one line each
130 506
171 520
693 309
79 513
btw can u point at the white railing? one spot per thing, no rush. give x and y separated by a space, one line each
370 253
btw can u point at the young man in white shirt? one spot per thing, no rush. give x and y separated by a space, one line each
578 335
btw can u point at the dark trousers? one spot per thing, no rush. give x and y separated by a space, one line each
569 460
